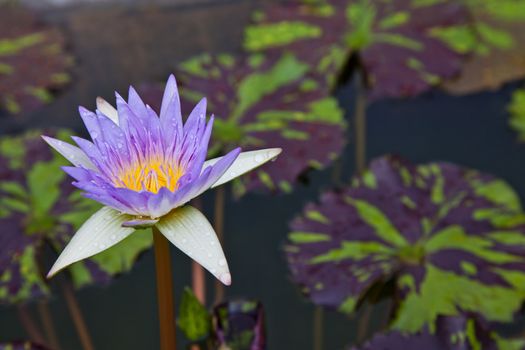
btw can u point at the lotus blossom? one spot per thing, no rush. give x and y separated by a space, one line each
144 168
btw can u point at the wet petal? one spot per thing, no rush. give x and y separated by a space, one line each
209 176
189 230
245 162
101 231
107 109
72 153
170 113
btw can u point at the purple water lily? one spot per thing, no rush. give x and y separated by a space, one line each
144 168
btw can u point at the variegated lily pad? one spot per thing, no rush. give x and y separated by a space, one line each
450 239
21 345
33 62
39 206
497 43
452 333
395 40
240 325
264 102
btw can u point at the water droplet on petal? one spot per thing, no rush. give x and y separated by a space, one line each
259 158
222 262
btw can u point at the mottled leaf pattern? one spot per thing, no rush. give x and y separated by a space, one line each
262 102
396 40
452 333
451 239
496 41
33 62
240 325
39 206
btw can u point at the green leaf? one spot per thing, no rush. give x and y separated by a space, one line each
194 320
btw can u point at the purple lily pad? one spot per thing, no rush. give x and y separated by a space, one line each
240 325
453 333
450 239
21 345
39 207
261 102
395 41
33 62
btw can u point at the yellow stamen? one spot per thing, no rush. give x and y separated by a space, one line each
150 176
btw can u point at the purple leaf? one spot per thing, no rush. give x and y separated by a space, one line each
240 325
396 41
33 62
261 102
423 227
453 333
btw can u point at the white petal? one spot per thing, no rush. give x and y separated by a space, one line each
245 162
189 230
72 153
101 231
107 109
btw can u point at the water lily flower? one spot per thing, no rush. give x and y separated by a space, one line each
145 168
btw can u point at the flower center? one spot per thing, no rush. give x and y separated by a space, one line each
150 176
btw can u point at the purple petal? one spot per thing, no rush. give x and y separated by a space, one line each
170 113
135 102
209 176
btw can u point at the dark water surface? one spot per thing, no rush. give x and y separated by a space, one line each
116 46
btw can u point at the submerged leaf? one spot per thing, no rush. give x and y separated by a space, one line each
264 102
39 207
419 228
33 62
239 325
394 40
194 319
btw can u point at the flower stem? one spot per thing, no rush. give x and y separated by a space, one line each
318 328
218 225
32 330
360 125
164 291
76 315
49 327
